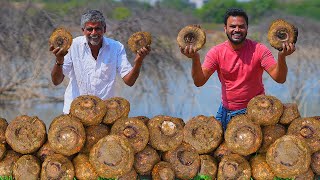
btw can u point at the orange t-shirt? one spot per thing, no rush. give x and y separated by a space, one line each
240 72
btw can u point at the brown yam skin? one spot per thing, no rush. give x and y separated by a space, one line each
112 156
289 156
117 108
185 161
203 133
191 35
89 109
139 40
315 162
144 119
307 129
208 166
93 135
260 168
309 175
221 151
234 166
83 169
166 132
242 136
6 164
134 130
3 127
26 134
45 151
132 175
145 160
27 167
265 110
66 135
61 37
56 167
270 134
290 113
163 171
3 150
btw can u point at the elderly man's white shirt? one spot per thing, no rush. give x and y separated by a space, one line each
93 77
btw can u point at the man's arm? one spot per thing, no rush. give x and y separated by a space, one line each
199 75
133 75
56 73
279 71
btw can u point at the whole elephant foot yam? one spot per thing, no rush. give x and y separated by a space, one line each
139 40
309 130
62 38
191 35
6 164
112 156
57 166
185 161
290 113
260 168
134 130
3 127
27 167
26 134
89 109
132 175
93 135
145 160
66 135
234 166
166 132
203 133
83 169
242 136
117 108
288 156
163 170
265 110
208 166
315 162
281 31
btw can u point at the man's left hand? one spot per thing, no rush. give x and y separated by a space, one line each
142 53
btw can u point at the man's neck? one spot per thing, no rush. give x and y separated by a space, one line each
95 49
237 46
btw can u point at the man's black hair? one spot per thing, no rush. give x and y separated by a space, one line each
235 12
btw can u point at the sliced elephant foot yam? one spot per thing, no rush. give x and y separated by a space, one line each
315 162
45 151
112 156
145 160
163 170
309 130
134 130
265 110
93 135
270 134
208 166
281 31
117 108
234 166
191 35
243 136
66 135
306 176
166 132
139 40
62 38
27 167
83 169
6 164
203 133
260 168
221 151
289 156
185 161
132 175
290 113
89 109
26 134
57 166
3 127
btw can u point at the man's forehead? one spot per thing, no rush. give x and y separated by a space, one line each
236 20
93 24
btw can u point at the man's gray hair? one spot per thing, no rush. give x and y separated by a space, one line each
92 16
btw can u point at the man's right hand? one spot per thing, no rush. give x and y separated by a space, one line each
59 53
190 52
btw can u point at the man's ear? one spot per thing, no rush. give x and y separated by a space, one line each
105 29
225 28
